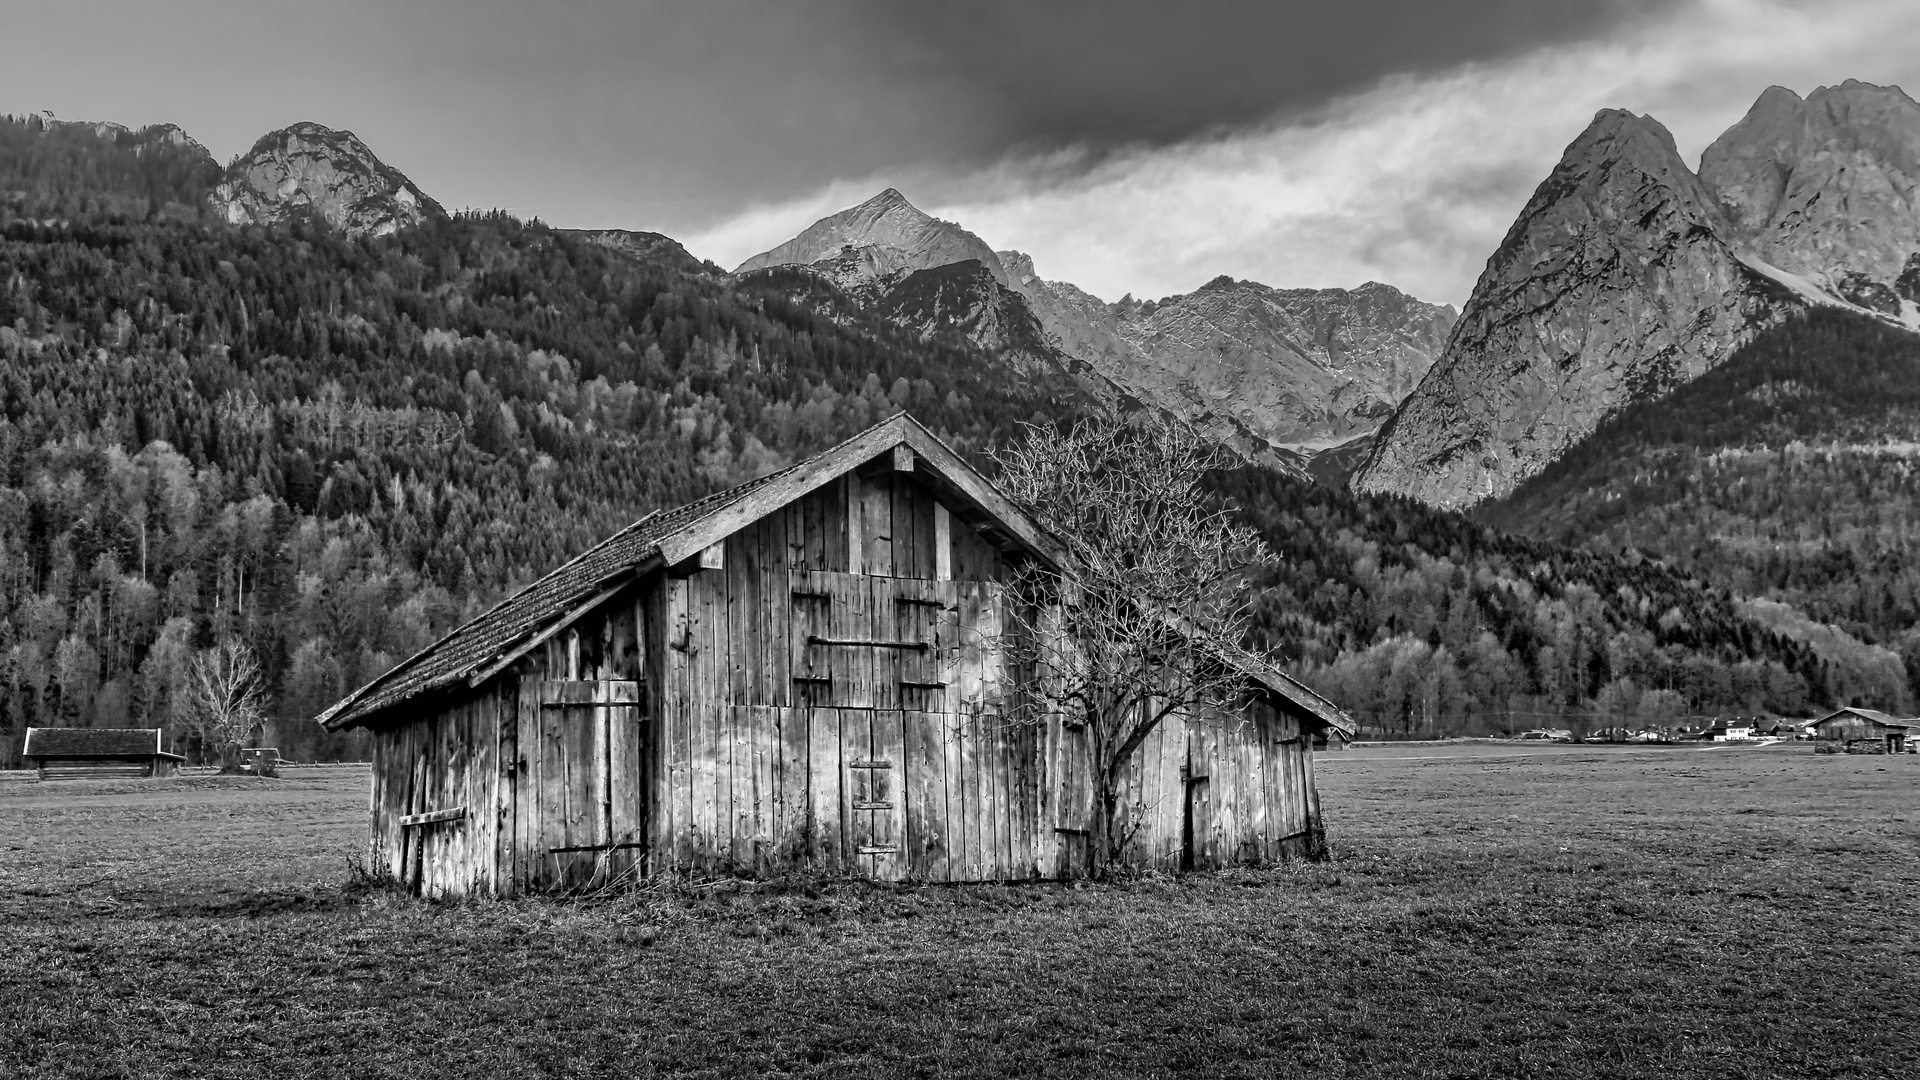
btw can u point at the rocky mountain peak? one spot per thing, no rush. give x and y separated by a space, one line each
1824 187
1615 283
314 169
885 237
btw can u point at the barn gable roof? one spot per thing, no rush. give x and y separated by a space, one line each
1874 715
93 742
490 642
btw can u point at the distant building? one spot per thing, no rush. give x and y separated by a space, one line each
74 753
1856 729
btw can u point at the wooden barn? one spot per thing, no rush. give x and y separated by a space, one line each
1856 728
74 753
796 674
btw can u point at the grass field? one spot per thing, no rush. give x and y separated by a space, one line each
1489 912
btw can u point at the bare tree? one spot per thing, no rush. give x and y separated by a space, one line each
224 698
1146 620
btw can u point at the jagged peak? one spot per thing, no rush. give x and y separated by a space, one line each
1624 124
889 197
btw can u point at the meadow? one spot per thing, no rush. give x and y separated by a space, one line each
1489 911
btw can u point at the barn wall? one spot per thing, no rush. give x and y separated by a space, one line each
781 752
441 757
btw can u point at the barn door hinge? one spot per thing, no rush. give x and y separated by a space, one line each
867 850
874 764
870 805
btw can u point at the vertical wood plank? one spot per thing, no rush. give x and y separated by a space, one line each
890 787
942 542
527 867
651 618
818 529
857 787
900 514
854 519
885 624
920 842
717 724
824 790
793 844
627 786
743 610
876 524
683 698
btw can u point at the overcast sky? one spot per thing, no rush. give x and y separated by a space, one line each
1128 146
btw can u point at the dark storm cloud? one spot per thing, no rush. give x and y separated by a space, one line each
1120 71
668 115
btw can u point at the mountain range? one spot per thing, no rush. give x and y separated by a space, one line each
1627 274
1279 374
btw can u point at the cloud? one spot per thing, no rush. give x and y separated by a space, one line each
1412 181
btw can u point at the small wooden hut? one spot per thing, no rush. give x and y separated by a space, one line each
797 673
76 753
1855 728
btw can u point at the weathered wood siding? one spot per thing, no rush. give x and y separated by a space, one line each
804 728
824 698
440 759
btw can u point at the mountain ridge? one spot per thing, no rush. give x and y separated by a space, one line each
1280 374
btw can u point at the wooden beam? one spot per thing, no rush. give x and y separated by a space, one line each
430 817
816 639
903 458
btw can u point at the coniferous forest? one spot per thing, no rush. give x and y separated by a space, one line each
336 449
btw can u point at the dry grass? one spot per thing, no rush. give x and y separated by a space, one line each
1558 912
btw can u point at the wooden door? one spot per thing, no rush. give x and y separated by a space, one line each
873 761
589 791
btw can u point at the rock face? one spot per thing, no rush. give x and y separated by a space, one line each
1827 188
1305 369
964 299
309 168
1627 274
1267 371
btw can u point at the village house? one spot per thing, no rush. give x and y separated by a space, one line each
1856 729
76 753
801 673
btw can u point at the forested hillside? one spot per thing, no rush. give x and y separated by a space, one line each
1791 473
1421 622
338 449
